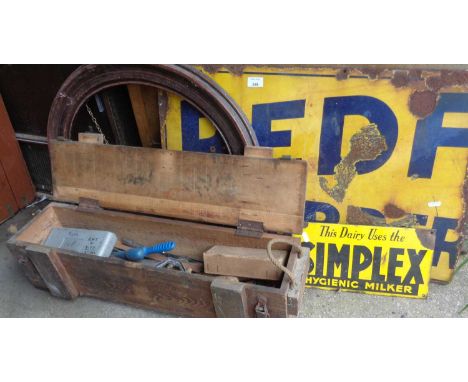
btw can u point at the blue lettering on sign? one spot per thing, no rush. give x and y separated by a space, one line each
190 121
430 134
334 111
311 208
263 114
421 219
442 225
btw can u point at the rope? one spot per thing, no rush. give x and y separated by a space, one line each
276 262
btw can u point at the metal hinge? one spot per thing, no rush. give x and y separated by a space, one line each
88 204
249 228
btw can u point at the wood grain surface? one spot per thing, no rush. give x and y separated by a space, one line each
211 188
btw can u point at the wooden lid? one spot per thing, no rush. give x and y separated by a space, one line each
213 188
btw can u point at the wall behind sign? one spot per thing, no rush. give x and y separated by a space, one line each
380 151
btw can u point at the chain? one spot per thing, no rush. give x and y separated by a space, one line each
93 118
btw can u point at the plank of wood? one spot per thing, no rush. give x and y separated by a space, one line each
243 262
169 291
173 292
37 230
213 188
274 297
8 202
300 269
26 266
91 138
146 111
52 271
163 107
258 152
229 297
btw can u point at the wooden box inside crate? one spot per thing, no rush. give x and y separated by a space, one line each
148 195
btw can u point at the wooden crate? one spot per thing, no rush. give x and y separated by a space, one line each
148 195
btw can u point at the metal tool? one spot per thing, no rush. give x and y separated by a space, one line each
133 244
171 263
139 253
180 257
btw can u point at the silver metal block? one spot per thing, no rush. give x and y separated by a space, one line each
91 242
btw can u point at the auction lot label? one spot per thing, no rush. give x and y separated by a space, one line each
387 261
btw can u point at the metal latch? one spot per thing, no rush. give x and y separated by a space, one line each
249 228
261 310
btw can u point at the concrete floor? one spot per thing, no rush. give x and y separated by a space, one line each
18 298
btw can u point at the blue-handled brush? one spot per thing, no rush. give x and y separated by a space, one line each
138 254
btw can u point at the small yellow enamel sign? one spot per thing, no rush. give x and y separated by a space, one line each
376 260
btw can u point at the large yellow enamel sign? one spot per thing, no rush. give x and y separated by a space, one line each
375 260
382 149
